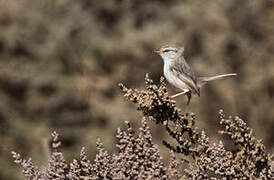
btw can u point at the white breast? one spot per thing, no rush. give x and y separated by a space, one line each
176 83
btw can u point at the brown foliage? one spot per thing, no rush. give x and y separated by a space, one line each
139 157
62 59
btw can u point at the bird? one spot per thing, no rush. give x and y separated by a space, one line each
179 74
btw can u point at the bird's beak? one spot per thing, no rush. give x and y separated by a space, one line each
159 51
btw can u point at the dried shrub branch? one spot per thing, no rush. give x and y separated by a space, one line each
139 157
249 160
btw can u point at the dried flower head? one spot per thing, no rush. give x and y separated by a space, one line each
139 158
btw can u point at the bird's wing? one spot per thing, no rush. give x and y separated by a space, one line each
182 70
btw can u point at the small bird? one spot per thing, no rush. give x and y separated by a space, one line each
179 74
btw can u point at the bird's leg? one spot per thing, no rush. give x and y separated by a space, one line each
184 92
189 97
179 94
188 101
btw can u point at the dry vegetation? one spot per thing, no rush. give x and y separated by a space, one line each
139 158
61 61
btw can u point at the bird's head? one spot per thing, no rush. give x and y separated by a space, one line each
170 52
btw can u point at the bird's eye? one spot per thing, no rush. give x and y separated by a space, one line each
168 50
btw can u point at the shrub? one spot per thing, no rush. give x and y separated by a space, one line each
139 158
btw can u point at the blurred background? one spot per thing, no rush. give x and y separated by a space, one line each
61 61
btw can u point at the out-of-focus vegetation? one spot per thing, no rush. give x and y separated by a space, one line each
61 61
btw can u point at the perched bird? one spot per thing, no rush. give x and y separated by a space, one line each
179 74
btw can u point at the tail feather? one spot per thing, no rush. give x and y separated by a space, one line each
203 80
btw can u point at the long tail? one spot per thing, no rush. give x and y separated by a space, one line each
203 80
